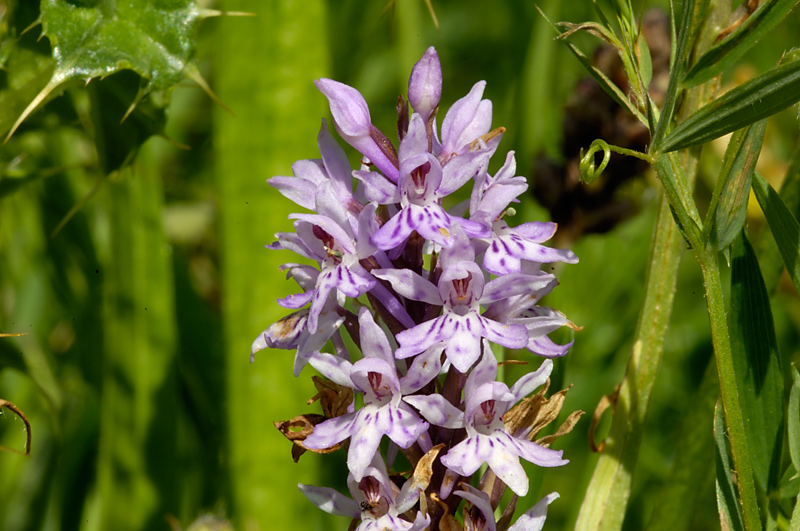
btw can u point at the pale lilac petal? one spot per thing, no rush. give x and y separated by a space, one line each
293 242
497 198
333 367
401 425
510 336
296 300
311 170
336 163
536 454
467 456
436 409
423 369
420 338
485 371
354 280
333 207
367 225
462 250
410 285
479 499
373 339
536 231
414 143
352 120
305 276
533 519
395 231
544 346
533 380
330 432
505 464
474 229
432 223
425 83
458 171
325 283
348 107
300 191
391 304
512 284
340 234
463 339
331 501
459 117
378 188
364 440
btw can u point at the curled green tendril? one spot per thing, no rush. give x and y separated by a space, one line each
590 172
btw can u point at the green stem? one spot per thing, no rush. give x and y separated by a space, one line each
730 398
609 489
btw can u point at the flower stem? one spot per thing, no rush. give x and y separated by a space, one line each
709 264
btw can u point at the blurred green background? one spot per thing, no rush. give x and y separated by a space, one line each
140 278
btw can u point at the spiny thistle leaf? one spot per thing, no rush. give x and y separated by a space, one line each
97 38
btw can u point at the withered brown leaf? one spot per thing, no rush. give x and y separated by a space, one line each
333 398
298 428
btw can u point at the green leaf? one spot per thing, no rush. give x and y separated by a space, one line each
769 255
96 38
784 226
692 19
692 471
730 516
773 91
757 366
729 202
727 52
605 83
793 423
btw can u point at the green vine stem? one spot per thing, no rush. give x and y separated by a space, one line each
609 489
709 264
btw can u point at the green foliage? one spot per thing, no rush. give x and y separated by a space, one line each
759 98
759 378
729 202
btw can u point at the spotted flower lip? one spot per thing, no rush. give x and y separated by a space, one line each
487 440
384 412
373 500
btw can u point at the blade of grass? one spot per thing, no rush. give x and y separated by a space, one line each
728 51
278 113
137 465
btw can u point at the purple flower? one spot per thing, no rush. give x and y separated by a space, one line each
481 517
384 412
351 117
423 182
310 175
522 309
425 84
331 242
461 291
488 440
374 500
292 331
